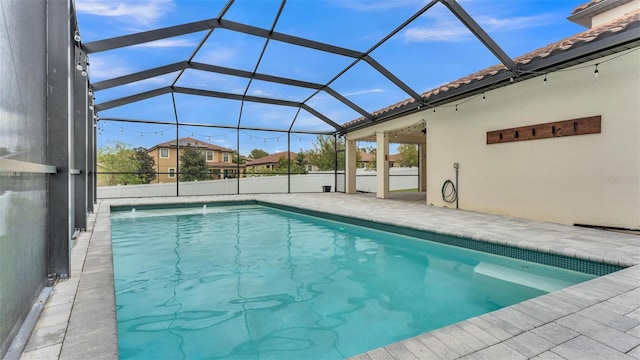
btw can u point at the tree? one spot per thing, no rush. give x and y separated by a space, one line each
118 164
301 161
237 158
371 165
258 153
324 153
193 165
146 166
297 166
408 155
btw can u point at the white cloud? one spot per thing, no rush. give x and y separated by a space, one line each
520 22
362 92
451 33
223 55
261 93
167 43
438 24
375 5
106 67
143 12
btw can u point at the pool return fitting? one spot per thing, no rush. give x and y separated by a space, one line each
450 190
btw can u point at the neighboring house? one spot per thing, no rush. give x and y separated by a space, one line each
368 161
219 160
269 162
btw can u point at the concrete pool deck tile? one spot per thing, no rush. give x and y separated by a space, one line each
530 344
589 318
635 353
600 332
491 329
634 331
555 333
458 340
438 347
45 353
419 350
46 336
400 351
548 355
380 354
604 316
519 319
539 311
486 338
498 351
54 315
584 348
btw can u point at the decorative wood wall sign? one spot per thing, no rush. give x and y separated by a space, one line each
582 126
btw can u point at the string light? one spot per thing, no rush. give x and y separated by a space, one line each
596 73
456 107
545 79
483 97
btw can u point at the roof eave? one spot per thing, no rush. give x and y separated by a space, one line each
584 16
609 44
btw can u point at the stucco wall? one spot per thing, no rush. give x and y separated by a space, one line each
589 179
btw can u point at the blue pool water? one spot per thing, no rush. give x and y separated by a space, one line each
254 282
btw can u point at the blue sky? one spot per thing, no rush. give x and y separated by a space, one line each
432 50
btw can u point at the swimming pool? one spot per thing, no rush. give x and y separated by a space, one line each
253 281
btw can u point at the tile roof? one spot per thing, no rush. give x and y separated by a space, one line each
271 159
627 22
586 5
185 141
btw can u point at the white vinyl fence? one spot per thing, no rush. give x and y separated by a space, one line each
400 178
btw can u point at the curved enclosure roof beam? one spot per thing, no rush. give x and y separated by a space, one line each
215 94
146 74
209 25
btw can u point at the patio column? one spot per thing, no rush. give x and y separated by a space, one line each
422 165
350 167
382 165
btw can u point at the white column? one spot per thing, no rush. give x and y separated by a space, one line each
382 165
350 166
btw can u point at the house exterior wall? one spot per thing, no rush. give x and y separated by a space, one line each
615 13
164 164
586 179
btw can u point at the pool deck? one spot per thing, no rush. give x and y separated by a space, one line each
597 319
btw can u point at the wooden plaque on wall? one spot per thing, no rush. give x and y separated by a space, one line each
582 126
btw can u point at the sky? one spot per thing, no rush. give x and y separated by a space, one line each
432 50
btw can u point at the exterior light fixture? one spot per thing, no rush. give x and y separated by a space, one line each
77 37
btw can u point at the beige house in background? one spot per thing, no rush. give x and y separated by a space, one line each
219 160
368 161
269 162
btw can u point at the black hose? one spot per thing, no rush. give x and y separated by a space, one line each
449 192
